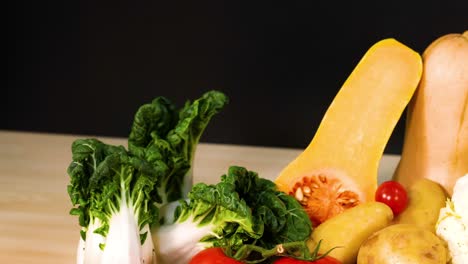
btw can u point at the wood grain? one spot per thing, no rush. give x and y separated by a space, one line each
35 226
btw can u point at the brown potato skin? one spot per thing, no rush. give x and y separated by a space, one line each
403 244
346 231
425 199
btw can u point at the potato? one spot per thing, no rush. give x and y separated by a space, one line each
349 229
426 198
403 244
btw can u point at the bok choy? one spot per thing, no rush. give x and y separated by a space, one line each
115 201
163 134
116 193
242 209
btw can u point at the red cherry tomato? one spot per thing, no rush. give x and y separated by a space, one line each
324 260
393 194
213 255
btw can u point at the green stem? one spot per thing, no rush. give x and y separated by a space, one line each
297 249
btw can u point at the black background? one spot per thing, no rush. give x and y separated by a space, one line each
84 67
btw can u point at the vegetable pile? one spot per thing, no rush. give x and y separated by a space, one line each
116 193
139 205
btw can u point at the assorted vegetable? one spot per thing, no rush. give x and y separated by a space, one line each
116 193
139 205
435 145
338 170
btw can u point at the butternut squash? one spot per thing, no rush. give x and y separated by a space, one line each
436 133
338 169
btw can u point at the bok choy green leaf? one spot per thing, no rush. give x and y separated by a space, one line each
161 133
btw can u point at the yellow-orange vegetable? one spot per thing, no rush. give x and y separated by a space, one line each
436 135
338 169
345 233
425 199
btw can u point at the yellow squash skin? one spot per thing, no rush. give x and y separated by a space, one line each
436 136
348 145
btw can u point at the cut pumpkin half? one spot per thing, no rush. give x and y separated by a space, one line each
338 169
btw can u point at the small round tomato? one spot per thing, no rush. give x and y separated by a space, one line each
324 260
393 194
213 255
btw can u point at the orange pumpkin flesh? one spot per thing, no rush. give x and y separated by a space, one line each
338 169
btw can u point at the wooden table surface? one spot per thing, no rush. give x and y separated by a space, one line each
35 226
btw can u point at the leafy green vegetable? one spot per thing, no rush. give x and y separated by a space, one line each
241 209
283 217
165 136
87 154
116 193
111 193
119 195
